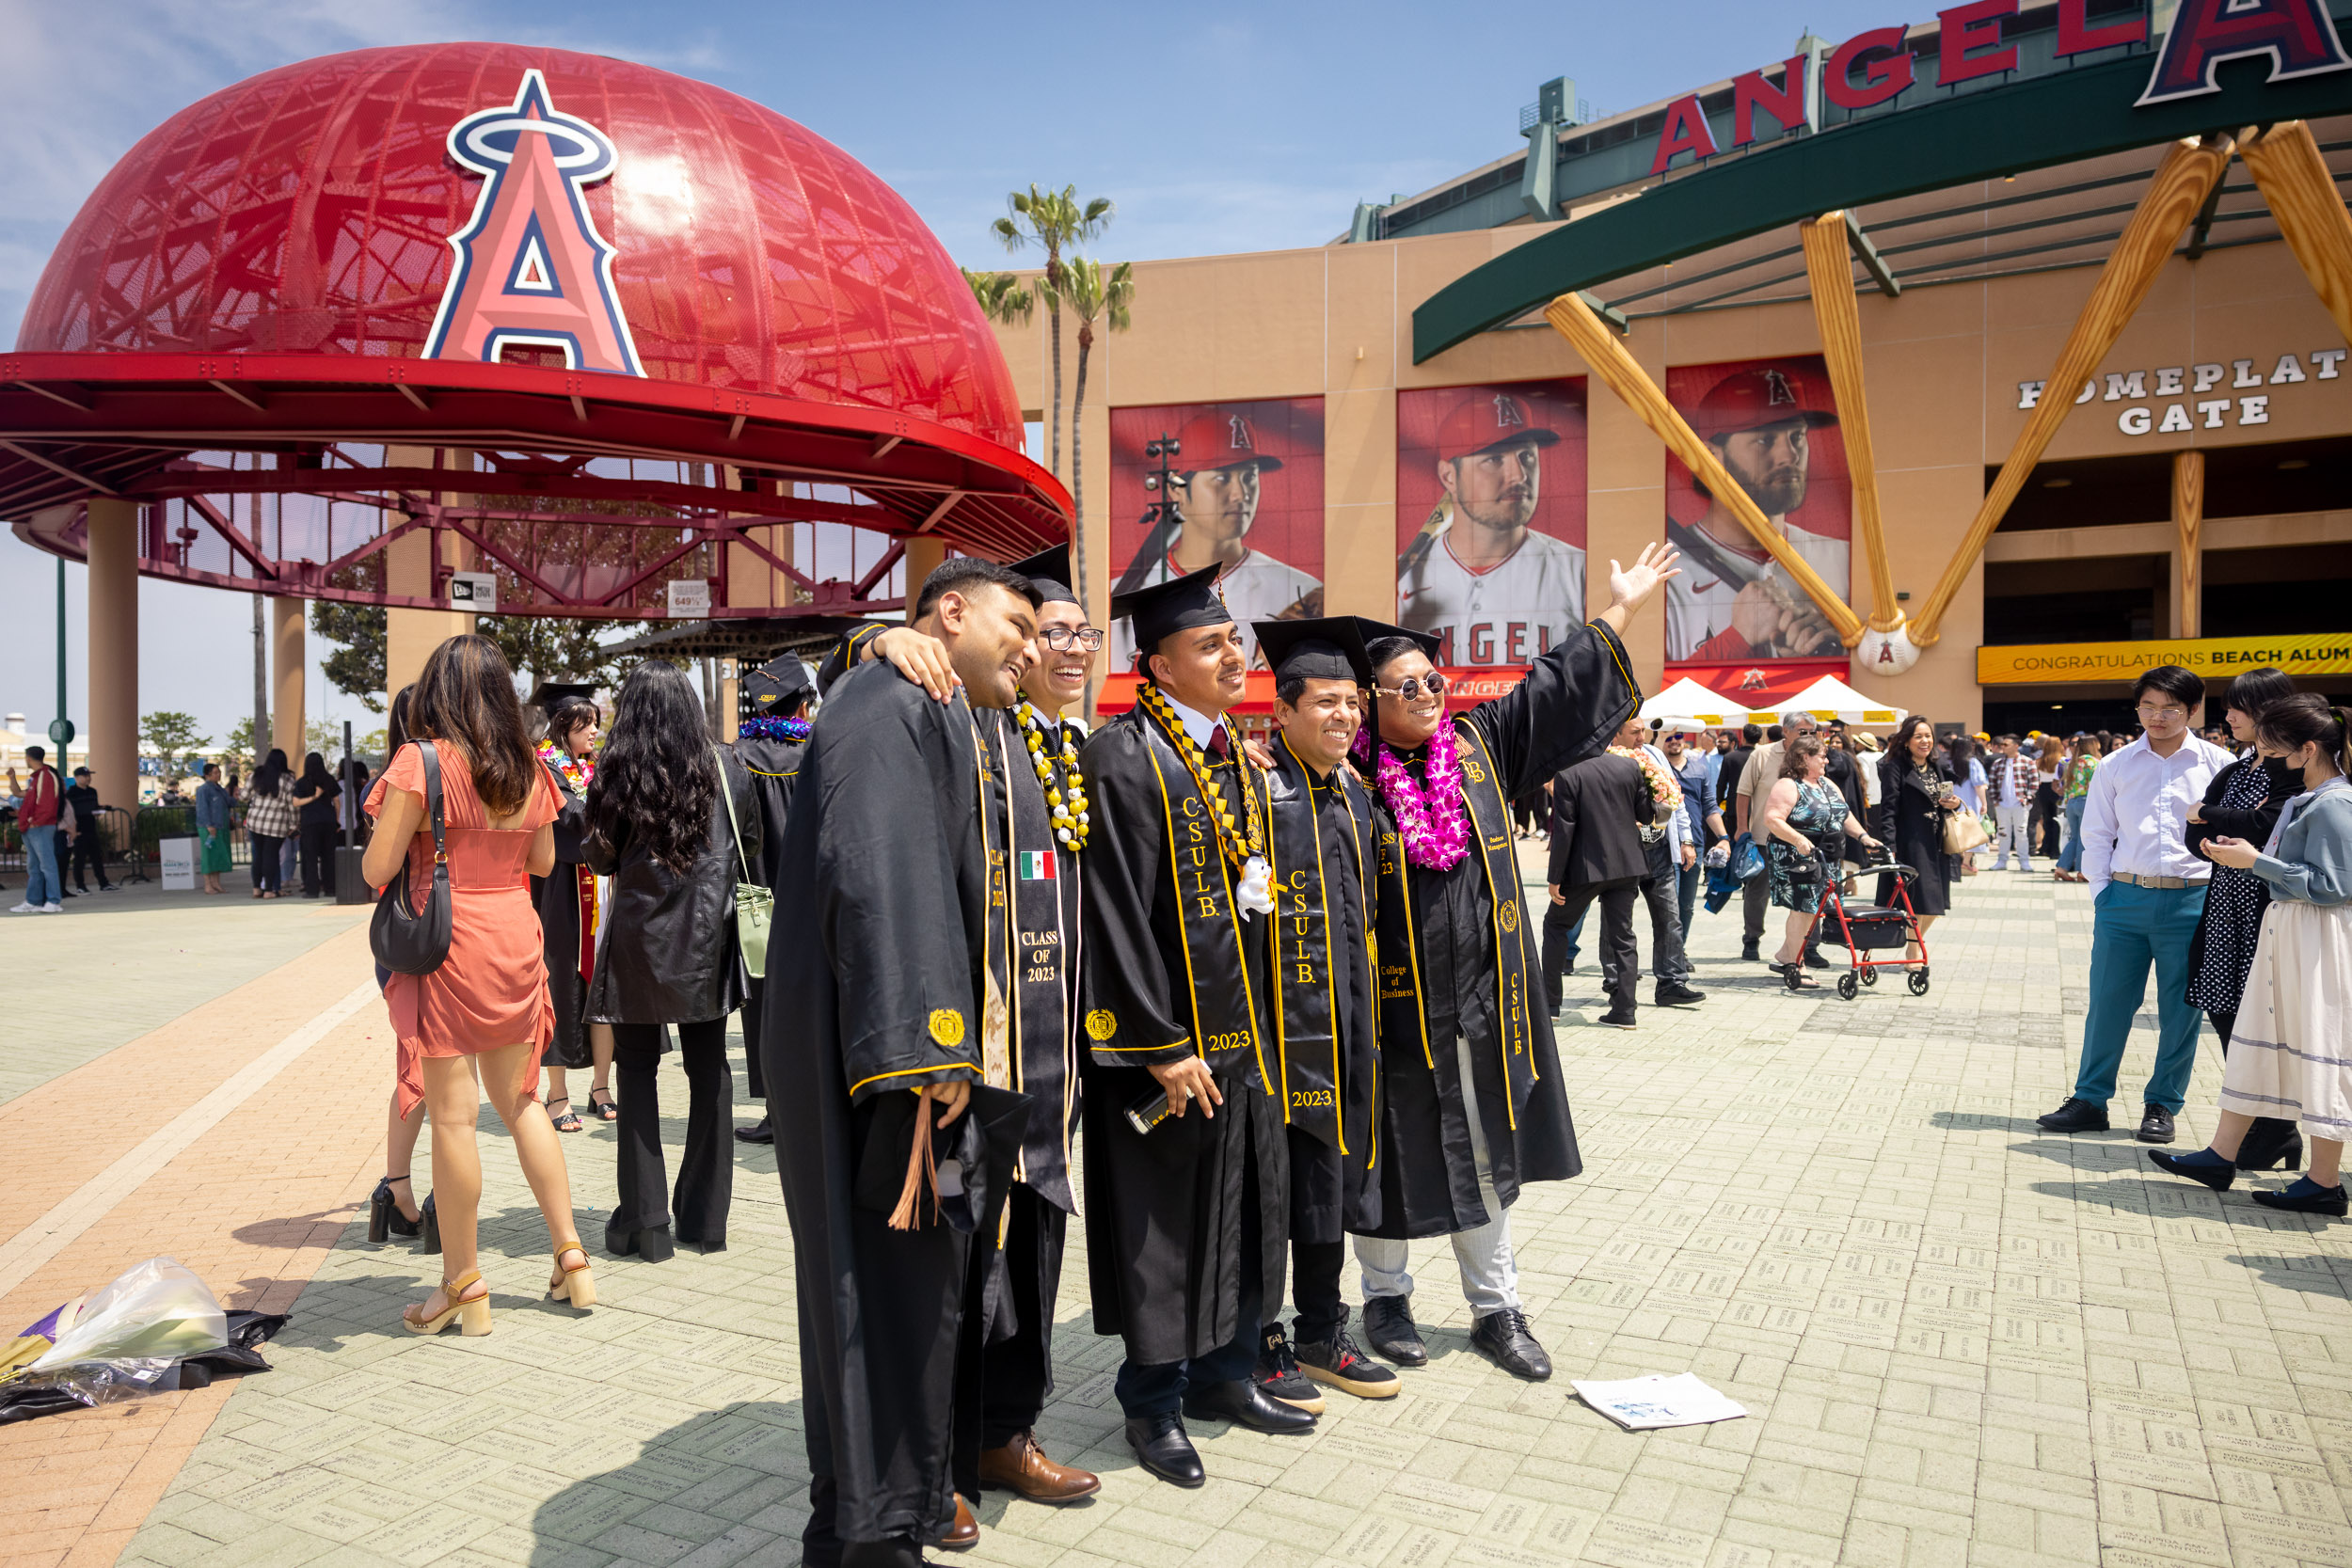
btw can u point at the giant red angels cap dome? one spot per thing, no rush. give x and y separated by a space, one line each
310 211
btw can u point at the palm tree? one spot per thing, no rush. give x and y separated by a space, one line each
1051 220
1001 296
1094 296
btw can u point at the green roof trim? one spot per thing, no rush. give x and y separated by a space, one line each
2034 123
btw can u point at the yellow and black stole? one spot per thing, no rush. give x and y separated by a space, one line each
1044 956
1218 984
1403 1015
1306 1021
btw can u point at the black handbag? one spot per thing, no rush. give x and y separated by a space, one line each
405 941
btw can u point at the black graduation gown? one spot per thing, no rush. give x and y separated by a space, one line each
774 766
1164 1209
886 953
1439 973
556 894
1328 1033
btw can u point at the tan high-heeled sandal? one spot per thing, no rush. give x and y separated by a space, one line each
473 1314
574 1285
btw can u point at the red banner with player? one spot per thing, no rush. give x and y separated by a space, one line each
1774 423
1490 518
1245 484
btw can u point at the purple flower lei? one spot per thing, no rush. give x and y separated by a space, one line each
1435 838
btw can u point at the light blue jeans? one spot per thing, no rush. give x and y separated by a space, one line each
43 885
2071 853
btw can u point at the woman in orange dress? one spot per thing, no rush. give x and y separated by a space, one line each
482 1016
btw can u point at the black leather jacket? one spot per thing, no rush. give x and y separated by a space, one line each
669 953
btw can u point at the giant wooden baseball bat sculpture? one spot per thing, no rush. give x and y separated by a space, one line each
2293 177
1592 338
1831 274
2175 192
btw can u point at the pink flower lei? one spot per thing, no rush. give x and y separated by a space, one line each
1436 836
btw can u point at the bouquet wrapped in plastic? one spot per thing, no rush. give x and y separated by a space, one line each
155 1328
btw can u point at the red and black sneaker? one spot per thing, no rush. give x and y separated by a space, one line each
1278 1376
1339 1363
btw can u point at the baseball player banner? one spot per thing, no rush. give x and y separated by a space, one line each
1490 518
1774 423
1245 491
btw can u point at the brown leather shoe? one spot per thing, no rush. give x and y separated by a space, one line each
1022 1467
964 1532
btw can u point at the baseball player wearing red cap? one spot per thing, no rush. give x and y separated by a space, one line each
1225 453
1732 601
1477 575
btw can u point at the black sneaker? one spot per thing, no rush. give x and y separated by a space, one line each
1277 1375
1674 993
2155 1125
1388 1324
1748 951
2077 1116
1813 959
1339 1363
1620 1016
1504 1338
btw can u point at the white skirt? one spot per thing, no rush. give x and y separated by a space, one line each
2291 1052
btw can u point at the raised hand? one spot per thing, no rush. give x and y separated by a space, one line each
1629 587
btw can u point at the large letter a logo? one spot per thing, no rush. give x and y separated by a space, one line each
2298 34
532 268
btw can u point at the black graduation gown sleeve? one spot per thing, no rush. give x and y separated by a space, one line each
557 895
845 654
1574 700
1124 902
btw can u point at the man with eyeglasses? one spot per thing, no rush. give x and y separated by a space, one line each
2147 892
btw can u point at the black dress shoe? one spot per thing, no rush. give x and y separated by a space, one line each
1388 1324
2217 1177
1748 951
2273 1143
897 1552
1620 1016
2155 1125
1162 1446
1813 959
1674 993
1243 1403
758 1133
1502 1337
2077 1116
651 1243
2310 1200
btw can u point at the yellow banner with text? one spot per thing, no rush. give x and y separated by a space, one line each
2057 663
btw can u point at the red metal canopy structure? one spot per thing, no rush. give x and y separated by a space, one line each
582 323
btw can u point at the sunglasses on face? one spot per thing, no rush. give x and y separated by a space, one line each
1412 688
1062 639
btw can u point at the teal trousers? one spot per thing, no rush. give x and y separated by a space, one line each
2133 928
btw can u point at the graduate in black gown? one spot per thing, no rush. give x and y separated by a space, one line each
1325 1035
902 1128
1473 1105
769 744
1186 1216
565 898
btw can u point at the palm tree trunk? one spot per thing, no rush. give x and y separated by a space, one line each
1078 474
1057 425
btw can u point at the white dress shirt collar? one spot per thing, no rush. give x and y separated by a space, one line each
1201 726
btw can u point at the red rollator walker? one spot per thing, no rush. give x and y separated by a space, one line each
1869 930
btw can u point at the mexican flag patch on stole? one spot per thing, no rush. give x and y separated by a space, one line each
1036 865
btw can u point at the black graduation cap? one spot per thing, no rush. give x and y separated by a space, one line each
550 693
779 683
1331 648
1164 608
1048 572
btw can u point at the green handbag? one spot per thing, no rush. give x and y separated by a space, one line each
755 906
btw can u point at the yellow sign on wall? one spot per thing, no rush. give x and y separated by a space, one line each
2215 657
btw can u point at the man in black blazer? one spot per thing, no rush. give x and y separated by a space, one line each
1599 807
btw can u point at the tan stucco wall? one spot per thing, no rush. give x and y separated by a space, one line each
1942 366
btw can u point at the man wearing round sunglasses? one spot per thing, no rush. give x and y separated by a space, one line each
2147 892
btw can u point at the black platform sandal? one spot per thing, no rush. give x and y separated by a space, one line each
605 1109
430 1219
385 1220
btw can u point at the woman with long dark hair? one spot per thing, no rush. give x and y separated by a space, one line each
479 1020
1915 795
662 815
2297 1010
270 819
568 900
314 804
2242 802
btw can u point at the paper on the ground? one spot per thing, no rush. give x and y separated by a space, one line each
1640 1403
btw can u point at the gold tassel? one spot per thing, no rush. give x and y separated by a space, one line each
922 1170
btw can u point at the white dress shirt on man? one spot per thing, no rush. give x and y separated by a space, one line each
2137 816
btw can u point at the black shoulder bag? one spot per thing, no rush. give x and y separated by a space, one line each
405 941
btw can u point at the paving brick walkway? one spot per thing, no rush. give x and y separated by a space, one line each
1962 1339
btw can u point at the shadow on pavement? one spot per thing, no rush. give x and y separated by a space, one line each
728 1483
2314 1273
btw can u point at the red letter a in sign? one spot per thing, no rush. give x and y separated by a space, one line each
2298 34
532 268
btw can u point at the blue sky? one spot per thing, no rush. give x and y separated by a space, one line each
1215 128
